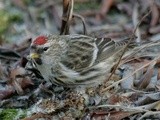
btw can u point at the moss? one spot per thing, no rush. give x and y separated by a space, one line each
15 18
90 5
4 21
8 114
11 114
7 18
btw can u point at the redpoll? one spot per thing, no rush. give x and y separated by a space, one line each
70 60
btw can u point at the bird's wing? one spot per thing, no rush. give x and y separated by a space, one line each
84 52
81 52
109 48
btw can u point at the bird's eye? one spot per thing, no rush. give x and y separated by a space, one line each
45 48
33 47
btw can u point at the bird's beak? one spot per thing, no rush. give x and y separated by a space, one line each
34 55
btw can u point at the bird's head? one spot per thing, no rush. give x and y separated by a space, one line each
46 49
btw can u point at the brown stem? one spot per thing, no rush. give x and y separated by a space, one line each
67 16
132 36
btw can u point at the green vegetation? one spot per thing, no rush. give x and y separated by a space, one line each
86 6
4 21
7 18
11 114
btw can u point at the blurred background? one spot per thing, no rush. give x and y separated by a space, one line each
23 19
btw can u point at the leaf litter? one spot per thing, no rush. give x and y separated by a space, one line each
132 91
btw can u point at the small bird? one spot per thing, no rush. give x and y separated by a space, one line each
70 60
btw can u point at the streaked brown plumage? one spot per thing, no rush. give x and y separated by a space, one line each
70 60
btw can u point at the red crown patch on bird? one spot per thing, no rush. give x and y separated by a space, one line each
40 40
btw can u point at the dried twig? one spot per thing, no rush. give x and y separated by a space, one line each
143 108
83 22
67 16
135 22
127 58
127 108
125 48
115 83
149 113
